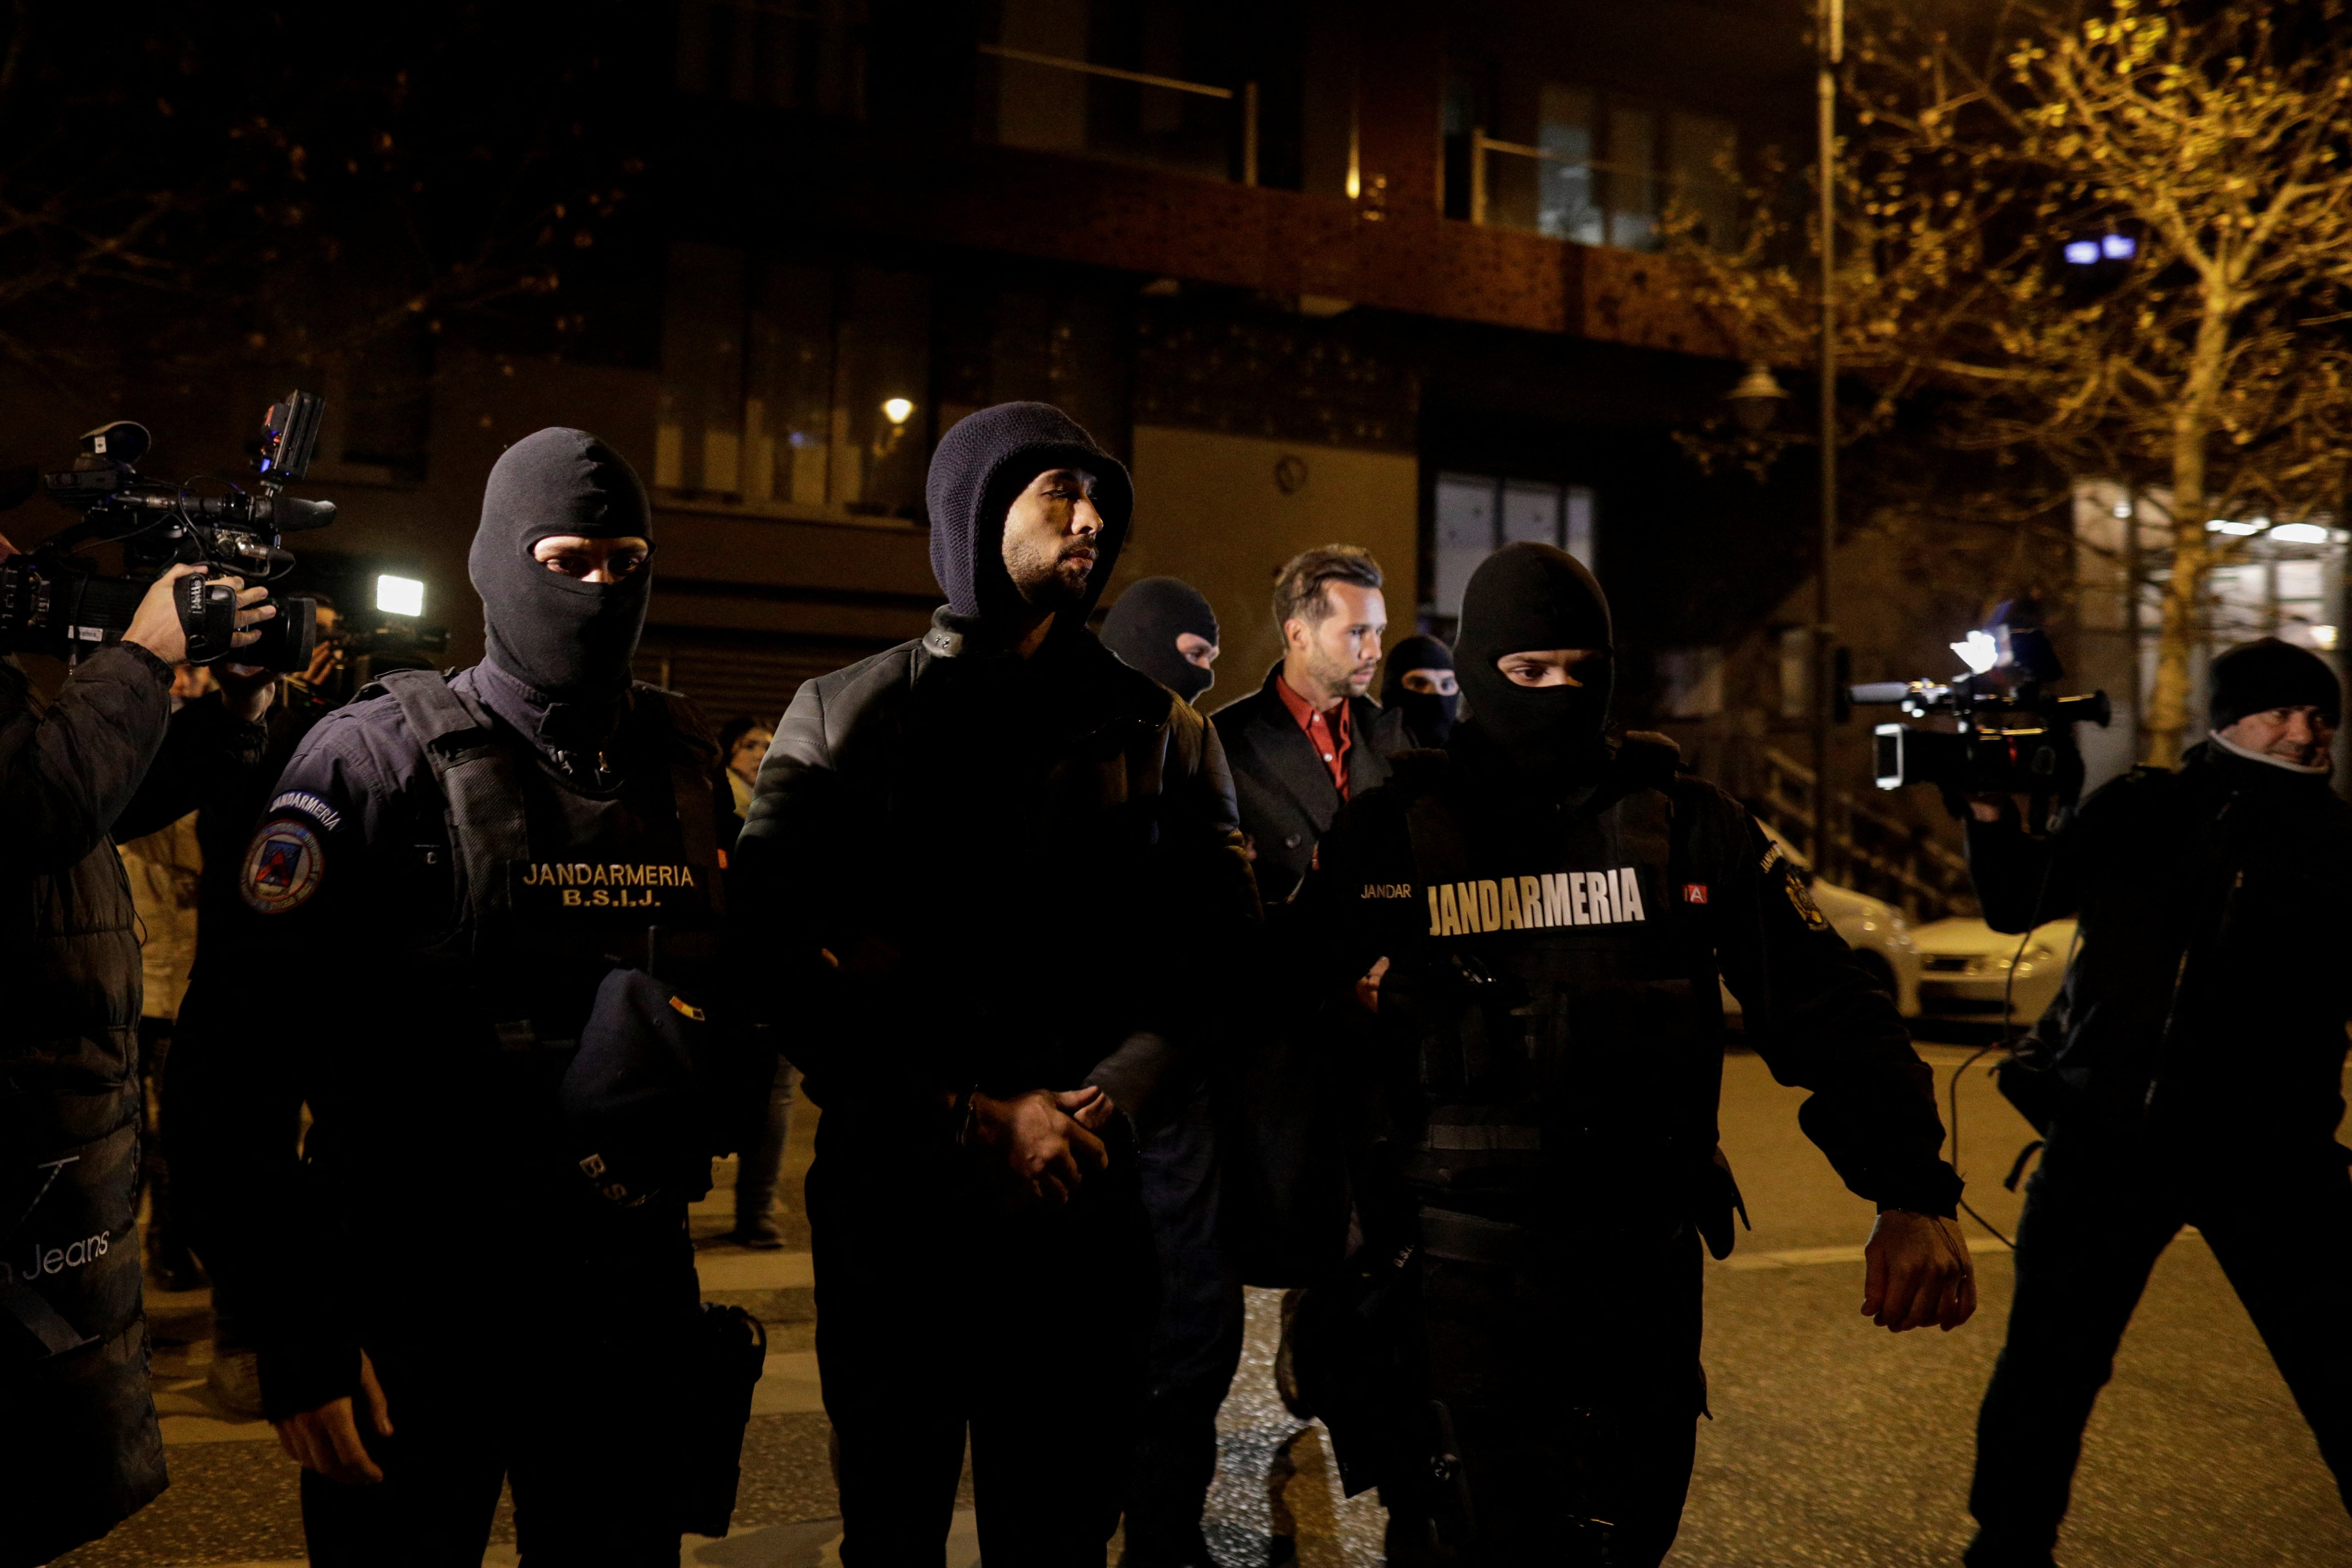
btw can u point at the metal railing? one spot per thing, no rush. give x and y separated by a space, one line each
1649 189
1246 94
1870 851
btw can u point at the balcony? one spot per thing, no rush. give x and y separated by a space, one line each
1052 103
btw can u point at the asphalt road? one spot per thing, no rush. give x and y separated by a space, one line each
1833 1443
1836 1443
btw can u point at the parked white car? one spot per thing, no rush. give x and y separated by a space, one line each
1881 937
1965 966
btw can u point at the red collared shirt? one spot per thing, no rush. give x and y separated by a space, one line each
1327 733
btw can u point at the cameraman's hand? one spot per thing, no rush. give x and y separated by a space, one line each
1917 1271
1992 809
327 1439
247 688
155 625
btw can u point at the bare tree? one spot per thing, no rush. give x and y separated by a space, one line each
2195 353
185 186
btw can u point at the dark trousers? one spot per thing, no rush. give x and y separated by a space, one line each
164 1232
571 1391
1567 1388
942 1313
2097 1213
1196 1345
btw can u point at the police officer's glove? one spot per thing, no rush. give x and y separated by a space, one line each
629 1100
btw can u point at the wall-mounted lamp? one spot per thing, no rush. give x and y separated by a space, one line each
898 410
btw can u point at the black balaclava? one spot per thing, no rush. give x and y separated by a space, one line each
2257 676
1524 598
1143 626
984 462
565 638
1429 716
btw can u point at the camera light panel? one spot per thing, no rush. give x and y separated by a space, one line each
399 595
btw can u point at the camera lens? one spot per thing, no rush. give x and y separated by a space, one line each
288 638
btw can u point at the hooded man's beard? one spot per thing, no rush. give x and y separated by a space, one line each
1052 582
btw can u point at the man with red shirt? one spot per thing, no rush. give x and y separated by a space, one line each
1299 747
1310 738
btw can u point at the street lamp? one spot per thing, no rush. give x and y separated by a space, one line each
1756 399
1833 51
897 409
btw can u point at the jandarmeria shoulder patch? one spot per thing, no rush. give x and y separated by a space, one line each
282 868
309 805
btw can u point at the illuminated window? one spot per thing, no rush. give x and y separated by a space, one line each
1477 513
787 381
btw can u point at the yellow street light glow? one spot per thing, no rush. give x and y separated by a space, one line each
897 409
399 595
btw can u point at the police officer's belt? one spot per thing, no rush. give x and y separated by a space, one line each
1458 1237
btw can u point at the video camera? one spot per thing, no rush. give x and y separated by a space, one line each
54 601
2011 734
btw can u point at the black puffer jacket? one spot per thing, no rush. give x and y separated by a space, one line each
1027 872
2210 992
108 759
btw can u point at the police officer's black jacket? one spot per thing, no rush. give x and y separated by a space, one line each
1552 1035
2212 987
108 758
1021 873
1285 790
427 1048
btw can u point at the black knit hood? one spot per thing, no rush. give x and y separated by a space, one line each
2267 673
567 639
1143 626
981 464
1523 598
1429 716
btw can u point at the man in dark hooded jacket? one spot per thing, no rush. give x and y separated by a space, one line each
1009 867
2190 1072
1555 903
447 875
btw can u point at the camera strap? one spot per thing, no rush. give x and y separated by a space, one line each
482 793
207 614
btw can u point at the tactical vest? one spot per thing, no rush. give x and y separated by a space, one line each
1557 1027
522 900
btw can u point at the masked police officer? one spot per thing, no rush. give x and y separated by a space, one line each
1417 681
2190 1072
447 875
1541 1156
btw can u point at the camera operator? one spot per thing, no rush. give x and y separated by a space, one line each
108 757
2189 1073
